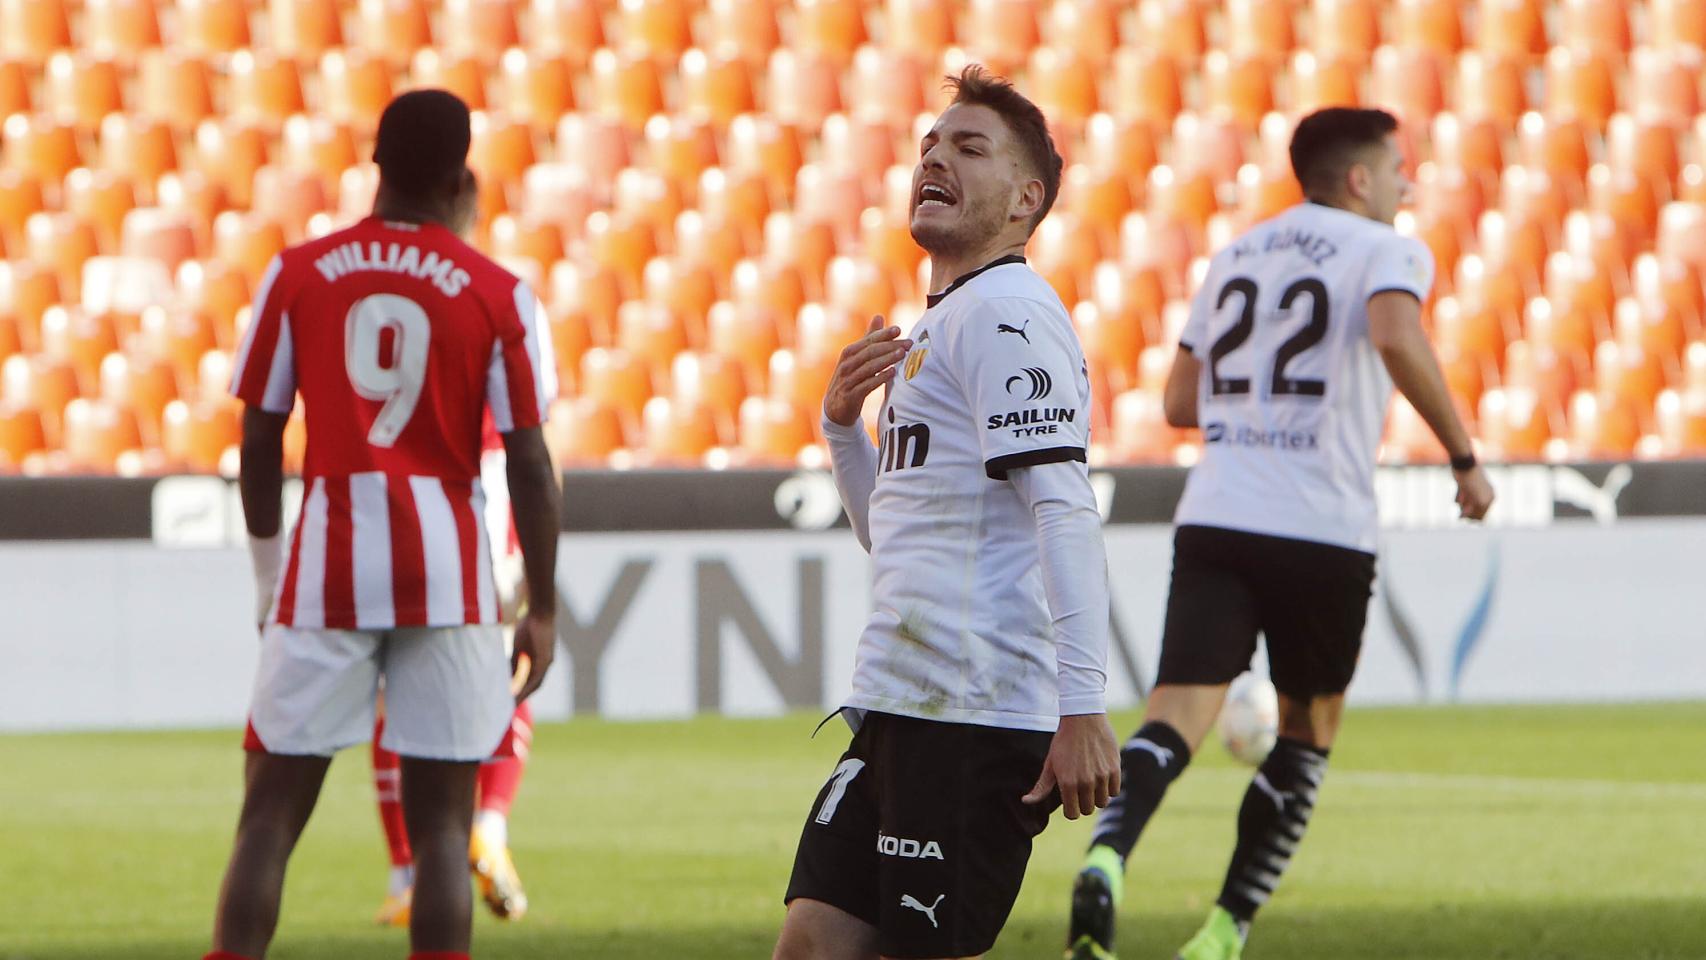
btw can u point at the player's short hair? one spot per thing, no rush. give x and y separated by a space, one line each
1326 142
422 146
978 87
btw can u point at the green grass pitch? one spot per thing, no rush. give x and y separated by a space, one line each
1528 833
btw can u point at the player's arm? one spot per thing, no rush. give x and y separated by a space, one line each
1395 330
866 364
520 385
264 378
1179 399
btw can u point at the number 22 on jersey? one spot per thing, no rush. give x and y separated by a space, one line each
394 376
1247 293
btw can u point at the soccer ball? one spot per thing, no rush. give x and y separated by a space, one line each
1249 719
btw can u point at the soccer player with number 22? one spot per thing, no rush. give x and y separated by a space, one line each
399 337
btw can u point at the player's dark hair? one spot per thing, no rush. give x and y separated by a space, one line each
979 87
422 146
1326 143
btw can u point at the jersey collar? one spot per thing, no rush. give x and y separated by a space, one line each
935 298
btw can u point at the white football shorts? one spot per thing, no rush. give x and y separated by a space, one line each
447 692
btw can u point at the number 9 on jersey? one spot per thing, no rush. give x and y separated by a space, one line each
396 378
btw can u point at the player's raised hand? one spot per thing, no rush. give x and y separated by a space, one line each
866 364
1083 763
1474 493
535 648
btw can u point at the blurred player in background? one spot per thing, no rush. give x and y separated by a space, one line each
979 685
500 775
1295 340
399 337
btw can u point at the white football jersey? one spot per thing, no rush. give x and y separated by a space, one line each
1293 395
960 629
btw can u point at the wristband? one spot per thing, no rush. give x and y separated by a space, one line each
1465 462
268 555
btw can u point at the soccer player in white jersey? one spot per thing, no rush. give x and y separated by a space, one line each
978 688
399 338
1301 329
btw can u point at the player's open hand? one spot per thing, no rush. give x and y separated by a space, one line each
535 647
1474 493
1083 762
866 364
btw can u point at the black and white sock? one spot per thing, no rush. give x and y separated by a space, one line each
1271 822
1149 763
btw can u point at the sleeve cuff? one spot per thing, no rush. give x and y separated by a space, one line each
997 467
1396 289
1084 704
835 431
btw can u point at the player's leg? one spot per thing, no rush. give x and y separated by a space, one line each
447 705
955 833
499 779
313 695
388 789
279 794
1314 604
832 892
1208 638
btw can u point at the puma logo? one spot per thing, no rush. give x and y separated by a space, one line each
1162 755
1020 330
908 900
1569 486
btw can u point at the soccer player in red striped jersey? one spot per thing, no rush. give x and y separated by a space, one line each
399 337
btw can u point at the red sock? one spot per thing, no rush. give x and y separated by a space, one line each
500 777
388 785
224 955
438 955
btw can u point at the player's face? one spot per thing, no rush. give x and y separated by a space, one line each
968 180
1388 184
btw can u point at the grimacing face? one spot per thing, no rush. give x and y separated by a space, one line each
967 181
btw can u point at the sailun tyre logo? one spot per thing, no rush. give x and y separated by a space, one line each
1040 383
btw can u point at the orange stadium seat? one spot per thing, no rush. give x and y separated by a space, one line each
102 198
1513 424
803 89
659 29
1000 33
247 241
211 28
772 430
1431 24
319 145
1346 29
502 149
572 29
1063 83
598 145
164 236
1408 438
263 87
289 196
626 87
713 381
355 86
97 434
32 30
680 148
685 289
1089 27
26 291
777 285
1557 145
745 333
304 29
142 385
1319 80
618 379
799 380
1662 84
20 197
583 431
1628 375
1177 26
461 74
1601 428
741 30
715 86
713 241
758 143
228 152
1680 416
213 378
1409 81
1533 195
62 241
1259 30
1598 25
1580 83
1646 147
621 243
557 193
1515 27
1121 145
21 434
179 338
919 27
40 146
391 30
1471 143
1140 430
527 237
1112 342
174 87
1670 287
589 290
1625 196
81 339
1490 86
865 147
677 433
1146 85
889 85
43 383
651 333
482 29
830 28
1237 87
11 341
823 332
79 89
1678 23
14 87
214 288
138 147
195 436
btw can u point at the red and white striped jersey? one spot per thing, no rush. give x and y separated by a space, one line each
400 338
